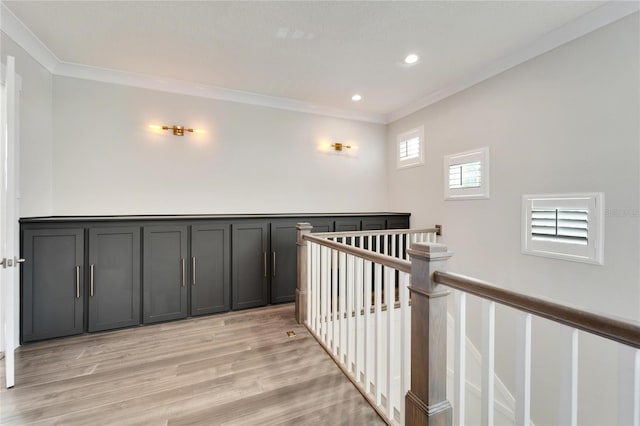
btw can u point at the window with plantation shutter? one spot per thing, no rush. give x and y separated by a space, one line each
466 175
568 226
410 149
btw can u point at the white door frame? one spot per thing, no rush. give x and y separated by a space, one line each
9 215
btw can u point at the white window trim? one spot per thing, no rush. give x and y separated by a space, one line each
412 162
479 193
593 253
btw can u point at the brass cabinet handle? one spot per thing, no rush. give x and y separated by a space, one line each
183 272
264 258
91 279
77 282
273 272
193 270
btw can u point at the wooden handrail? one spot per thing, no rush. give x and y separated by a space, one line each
621 331
391 262
375 232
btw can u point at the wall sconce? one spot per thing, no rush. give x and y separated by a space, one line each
339 146
177 130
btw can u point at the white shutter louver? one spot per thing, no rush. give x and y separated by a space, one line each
560 225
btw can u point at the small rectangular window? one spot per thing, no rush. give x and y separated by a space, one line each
411 148
467 175
564 226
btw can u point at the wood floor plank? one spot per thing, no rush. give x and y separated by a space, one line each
236 368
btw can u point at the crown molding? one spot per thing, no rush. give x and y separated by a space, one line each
181 87
589 22
22 35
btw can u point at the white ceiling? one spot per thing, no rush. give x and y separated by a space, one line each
317 52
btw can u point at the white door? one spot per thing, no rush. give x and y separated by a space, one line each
9 228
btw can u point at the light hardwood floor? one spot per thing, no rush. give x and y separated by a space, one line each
238 368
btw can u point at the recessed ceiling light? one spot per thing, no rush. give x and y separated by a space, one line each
411 59
356 97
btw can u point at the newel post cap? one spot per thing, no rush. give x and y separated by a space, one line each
304 226
429 251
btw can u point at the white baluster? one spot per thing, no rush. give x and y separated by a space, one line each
393 246
349 297
335 318
569 392
405 344
314 288
523 369
488 347
377 380
460 360
323 294
368 339
359 288
309 300
629 382
390 293
343 305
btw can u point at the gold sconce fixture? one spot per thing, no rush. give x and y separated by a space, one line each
177 130
339 146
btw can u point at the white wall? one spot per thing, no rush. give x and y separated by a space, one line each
251 160
567 121
35 130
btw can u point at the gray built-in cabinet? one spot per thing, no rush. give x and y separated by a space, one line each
164 271
283 257
89 274
210 267
53 291
114 278
250 259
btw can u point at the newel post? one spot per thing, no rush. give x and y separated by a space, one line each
426 401
301 288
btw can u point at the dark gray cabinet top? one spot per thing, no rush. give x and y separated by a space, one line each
59 219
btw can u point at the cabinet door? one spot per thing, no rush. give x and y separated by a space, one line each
283 262
164 273
347 224
398 222
53 285
373 224
321 225
250 270
114 278
210 266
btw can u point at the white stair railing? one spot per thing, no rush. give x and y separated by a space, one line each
357 307
626 334
376 313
